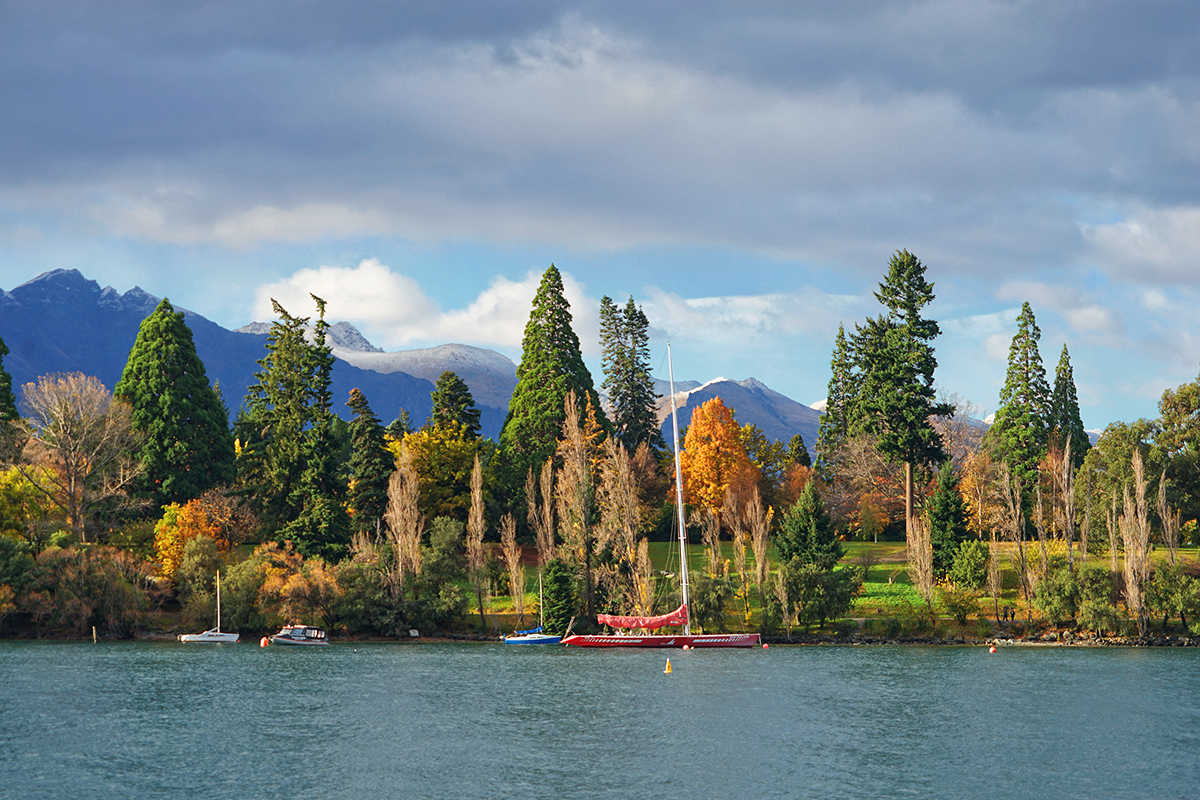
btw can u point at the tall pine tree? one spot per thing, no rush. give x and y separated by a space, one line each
453 403
895 397
1065 422
839 399
1019 433
551 366
625 358
371 465
947 520
9 435
188 447
289 455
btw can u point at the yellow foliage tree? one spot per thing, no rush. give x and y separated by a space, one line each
443 456
714 460
213 515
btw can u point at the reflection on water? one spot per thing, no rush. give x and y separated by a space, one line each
116 720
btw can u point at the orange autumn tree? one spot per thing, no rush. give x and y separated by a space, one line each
713 459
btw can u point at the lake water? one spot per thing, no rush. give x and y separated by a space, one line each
167 720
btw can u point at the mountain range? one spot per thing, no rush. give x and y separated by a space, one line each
63 322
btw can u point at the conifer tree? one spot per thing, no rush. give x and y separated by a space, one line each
290 455
1065 422
371 465
551 367
9 434
895 397
840 398
798 452
8 401
625 358
187 446
453 403
1018 434
807 532
947 520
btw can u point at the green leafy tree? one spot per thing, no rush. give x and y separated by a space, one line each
807 532
947 520
895 360
452 402
187 446
1065 423
371 464
290 456
551 367
625 359
1018 435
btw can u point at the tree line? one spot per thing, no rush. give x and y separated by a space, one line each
112 504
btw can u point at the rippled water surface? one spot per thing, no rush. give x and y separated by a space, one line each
151 720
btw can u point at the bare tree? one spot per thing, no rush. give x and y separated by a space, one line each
710 533
1135 535
920 558
1014 528
994 585
574 497
512 560
961 432
476 528
620 516
81 444
759 522
1169 519
404 521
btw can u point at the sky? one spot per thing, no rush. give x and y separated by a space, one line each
743 171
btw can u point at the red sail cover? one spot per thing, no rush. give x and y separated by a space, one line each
677 617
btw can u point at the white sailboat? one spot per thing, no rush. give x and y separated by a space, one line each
678 617
213 634
534 635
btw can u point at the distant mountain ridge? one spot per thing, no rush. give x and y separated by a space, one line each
61 321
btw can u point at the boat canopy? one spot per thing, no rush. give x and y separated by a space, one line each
677 617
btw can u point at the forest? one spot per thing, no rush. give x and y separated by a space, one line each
119 508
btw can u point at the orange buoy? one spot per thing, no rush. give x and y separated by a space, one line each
667 671
263 642
993 649
765 645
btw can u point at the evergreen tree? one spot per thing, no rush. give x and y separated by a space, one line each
187 446
947 520
371 465
551 366
807 532
400 426
625 357
798 452
290 449
1065 421
895 397
8 402
840 398
9 433
1018 434
453 403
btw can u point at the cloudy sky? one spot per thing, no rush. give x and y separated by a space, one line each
744 171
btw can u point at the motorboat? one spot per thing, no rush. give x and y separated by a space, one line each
302 635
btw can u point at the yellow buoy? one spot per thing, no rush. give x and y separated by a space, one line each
667 671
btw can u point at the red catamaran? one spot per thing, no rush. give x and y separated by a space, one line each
679 616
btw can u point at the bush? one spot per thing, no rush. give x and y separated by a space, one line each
969 569
959 603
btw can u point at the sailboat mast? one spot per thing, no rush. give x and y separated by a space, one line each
218 600
683 564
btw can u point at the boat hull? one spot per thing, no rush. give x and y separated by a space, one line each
677 642
533 638
213 636
290 642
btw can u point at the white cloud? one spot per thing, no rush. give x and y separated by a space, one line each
384 303
1084 315
1150 245
393 310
